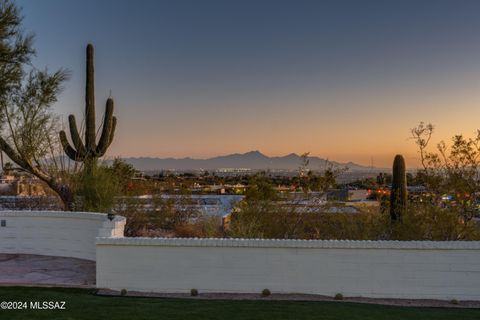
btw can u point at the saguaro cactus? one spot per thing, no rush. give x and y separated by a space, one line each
89 151
398 194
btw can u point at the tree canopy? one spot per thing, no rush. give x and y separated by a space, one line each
28 126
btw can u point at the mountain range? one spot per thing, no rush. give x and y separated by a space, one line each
254 160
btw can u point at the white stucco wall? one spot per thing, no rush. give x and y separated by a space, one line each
412 269
56 233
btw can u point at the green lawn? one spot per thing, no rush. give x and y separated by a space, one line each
82 304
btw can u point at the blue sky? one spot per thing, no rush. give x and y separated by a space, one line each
342 79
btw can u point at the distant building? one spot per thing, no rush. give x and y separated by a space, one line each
21 186
338 195
357 195
211 205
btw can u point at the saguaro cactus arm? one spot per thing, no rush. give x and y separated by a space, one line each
77 141
69 151
108 129
114 125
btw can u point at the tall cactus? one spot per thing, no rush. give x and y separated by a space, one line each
90 151
398 194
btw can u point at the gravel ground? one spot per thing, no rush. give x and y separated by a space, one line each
301 297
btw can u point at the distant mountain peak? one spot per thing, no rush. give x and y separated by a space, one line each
291 155
254 153
254 160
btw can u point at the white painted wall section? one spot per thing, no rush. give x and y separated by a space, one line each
56 233
393 269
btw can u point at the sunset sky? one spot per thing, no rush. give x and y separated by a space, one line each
345 80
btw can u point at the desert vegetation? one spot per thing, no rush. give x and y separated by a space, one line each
261 215
29 129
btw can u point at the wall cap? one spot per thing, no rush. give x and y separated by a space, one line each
59 214
290 243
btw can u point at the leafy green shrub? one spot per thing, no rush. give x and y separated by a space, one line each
338 296
266 293
123 292
454 301
194 292
96 190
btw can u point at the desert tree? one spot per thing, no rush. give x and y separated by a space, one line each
28 125
318 180
450 169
